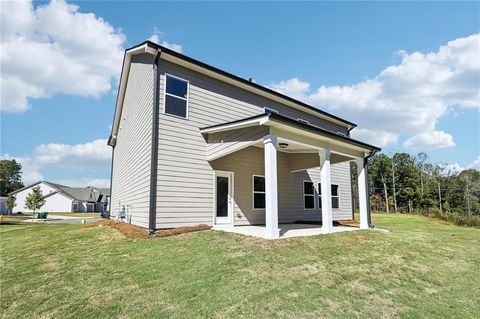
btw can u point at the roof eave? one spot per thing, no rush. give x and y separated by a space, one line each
153 48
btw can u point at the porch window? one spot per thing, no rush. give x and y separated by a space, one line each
90 208
75 207
258 192
176 96
308 195
335 196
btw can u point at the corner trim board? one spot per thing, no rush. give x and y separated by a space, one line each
154 156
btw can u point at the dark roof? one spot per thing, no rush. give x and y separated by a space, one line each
310 127
76 193
242 80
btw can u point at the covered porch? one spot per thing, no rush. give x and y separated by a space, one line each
285 230
284 147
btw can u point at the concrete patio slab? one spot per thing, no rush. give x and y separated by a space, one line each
286 230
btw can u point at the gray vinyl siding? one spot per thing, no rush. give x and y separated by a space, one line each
131 165
185 177
249 161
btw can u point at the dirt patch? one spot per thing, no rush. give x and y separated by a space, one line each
136 232
180 230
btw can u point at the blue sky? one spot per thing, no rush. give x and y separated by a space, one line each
296 48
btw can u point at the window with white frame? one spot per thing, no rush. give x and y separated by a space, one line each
335 196
75 207
176 96
258 192
308 195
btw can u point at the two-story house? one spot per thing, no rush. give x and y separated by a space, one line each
193 144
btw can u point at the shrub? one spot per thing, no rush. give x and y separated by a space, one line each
456 218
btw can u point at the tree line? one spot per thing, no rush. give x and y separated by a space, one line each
410 183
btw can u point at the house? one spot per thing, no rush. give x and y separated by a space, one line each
3 204
61 198
193 144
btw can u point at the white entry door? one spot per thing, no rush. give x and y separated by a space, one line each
223 197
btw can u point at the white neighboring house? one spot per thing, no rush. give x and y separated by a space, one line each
3 205
61 198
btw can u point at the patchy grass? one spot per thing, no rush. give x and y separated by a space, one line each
12 219
75 214
422 268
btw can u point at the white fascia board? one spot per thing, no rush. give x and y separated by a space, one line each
242 124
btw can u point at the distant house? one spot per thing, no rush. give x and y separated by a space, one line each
61 198
3 205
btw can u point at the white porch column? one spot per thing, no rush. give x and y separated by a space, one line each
325 180
362 194
271 192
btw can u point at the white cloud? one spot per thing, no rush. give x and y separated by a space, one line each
451 169
476 163
84 182
93 156
294 87
156 38
53 48
408 98
429 141
377 138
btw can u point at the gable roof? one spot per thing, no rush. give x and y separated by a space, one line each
82 194
178 58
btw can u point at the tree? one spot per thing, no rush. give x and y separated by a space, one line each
34 200
10 175
10 202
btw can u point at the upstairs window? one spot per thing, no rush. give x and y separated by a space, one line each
308 195
176 96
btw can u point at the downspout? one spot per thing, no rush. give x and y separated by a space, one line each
365 165
154 156
111 182
351 192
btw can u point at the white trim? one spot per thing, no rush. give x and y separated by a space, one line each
270 159
231 200
253 191
303 191
187 99
258 121
362 194
325 179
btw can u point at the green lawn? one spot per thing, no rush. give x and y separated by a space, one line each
422 268
75 214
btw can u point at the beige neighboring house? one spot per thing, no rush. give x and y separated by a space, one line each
193 144
61 198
